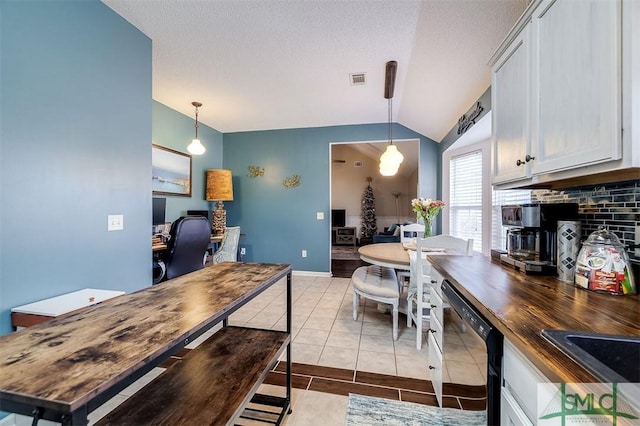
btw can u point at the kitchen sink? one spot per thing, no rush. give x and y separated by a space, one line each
610 358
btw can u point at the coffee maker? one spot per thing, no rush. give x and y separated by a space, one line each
531 237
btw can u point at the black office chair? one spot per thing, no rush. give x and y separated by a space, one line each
188 242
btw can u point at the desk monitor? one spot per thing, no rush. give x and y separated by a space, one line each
159 208
204 213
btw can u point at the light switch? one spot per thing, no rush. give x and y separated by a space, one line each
320 215
115 222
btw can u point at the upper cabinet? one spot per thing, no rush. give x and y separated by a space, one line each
562 94
510 82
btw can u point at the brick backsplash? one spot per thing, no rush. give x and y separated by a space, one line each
616 206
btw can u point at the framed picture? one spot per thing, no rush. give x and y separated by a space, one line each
170 171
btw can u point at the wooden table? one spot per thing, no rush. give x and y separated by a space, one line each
391 255
63 369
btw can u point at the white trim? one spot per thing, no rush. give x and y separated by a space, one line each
485 147
309 274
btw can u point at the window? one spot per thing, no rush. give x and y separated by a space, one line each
473 208
465 197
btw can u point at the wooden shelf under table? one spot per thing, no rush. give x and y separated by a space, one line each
211 385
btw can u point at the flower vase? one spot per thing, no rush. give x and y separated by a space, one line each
427 228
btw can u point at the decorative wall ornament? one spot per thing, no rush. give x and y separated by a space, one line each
291 181
255 171
468 120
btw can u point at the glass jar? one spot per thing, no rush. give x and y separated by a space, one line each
603 264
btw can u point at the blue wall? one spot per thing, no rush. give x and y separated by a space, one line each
174 130
75 147
280 222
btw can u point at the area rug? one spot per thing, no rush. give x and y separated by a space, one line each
370 411
344 253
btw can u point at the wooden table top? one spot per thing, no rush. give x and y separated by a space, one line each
392 255
520 306
64 363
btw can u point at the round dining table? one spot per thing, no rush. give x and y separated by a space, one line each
391 255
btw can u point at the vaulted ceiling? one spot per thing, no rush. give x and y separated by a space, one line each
259 65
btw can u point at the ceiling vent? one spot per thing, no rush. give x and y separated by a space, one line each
358 79
357 164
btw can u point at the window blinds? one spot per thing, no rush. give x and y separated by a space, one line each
465 197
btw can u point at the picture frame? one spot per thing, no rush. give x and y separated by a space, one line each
170 172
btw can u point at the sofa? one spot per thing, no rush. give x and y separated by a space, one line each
389 235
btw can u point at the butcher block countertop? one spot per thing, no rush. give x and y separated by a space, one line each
520 306
66 363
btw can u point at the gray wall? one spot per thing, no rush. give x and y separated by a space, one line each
75 147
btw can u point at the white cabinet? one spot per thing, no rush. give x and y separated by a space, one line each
436 330
522 383
510 82
565 89
576 84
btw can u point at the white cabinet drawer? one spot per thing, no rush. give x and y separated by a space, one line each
436 323
435 367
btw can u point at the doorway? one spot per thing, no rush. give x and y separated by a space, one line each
351 163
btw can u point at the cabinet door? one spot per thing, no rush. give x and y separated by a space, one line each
576 84
510 412
510 111
435 368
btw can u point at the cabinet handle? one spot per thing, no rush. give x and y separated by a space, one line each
519 162
431 330
433 306
529 158
431 367
434 282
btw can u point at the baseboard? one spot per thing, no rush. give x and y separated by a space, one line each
309 274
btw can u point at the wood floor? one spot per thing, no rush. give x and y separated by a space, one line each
345 268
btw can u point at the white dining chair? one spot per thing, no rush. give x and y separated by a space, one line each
418 302
407 235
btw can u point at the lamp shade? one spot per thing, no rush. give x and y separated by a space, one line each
219 185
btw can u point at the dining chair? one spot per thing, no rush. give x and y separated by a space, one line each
228 251
407 234
418 301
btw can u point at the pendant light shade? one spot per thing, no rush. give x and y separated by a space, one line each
392 156
196 147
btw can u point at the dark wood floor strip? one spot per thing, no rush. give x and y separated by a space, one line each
345 388
394 381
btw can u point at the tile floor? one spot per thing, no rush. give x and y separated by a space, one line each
325 334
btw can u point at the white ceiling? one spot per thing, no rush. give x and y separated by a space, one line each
258 65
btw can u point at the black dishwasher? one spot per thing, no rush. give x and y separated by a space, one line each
493 340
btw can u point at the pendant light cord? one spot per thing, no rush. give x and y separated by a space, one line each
196 122
390 118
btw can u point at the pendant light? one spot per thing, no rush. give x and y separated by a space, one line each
196 147
391 159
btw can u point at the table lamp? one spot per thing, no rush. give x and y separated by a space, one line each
219 188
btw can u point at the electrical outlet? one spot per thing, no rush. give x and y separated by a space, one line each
304 253
243 251
115 222
320 215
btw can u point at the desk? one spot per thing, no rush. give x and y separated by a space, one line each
67 367
216 239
